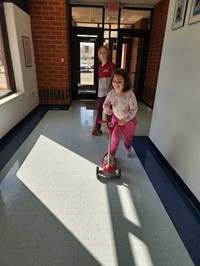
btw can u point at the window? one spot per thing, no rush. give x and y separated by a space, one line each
87 16
135 19
7 83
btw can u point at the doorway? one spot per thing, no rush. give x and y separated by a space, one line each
132 49
85 62
126 32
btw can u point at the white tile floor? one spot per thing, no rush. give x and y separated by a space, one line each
54 211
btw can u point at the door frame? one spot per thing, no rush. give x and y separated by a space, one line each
131 33
75 58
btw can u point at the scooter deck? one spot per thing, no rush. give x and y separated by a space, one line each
115 174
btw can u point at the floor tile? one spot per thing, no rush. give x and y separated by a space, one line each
17 257
54 207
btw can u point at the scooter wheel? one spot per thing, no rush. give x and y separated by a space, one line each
97 171
118 172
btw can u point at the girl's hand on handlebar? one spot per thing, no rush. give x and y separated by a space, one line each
109 112
121 122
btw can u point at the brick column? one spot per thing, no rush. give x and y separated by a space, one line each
50 30
155 51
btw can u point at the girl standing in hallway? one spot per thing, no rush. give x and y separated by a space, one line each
106 69
124 109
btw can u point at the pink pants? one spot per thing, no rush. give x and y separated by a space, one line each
128 131
100 111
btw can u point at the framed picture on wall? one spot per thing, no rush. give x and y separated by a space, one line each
27 51
194 12
179 14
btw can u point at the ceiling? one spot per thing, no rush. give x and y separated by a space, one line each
91 14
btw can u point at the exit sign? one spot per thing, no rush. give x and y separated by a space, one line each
113 6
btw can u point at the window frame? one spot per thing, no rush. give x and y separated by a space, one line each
6 55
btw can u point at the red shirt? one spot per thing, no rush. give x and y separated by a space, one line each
105 74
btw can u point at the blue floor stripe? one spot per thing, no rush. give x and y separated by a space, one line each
11 142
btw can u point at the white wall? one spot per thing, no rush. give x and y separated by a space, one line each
175 126
15 107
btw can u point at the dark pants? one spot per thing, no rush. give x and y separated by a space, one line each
100 111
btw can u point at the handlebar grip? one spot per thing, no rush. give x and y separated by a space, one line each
110 126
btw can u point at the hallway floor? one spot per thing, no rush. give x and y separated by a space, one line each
54 211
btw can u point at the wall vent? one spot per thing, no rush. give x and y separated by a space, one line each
53 95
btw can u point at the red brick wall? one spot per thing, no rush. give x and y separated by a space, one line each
155 50
50 30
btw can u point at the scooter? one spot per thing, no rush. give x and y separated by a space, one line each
110 169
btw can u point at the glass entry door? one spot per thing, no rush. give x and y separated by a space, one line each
87 58
85 63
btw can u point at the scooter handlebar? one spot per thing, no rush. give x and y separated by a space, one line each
110 126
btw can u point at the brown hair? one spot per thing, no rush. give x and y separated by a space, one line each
125 75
